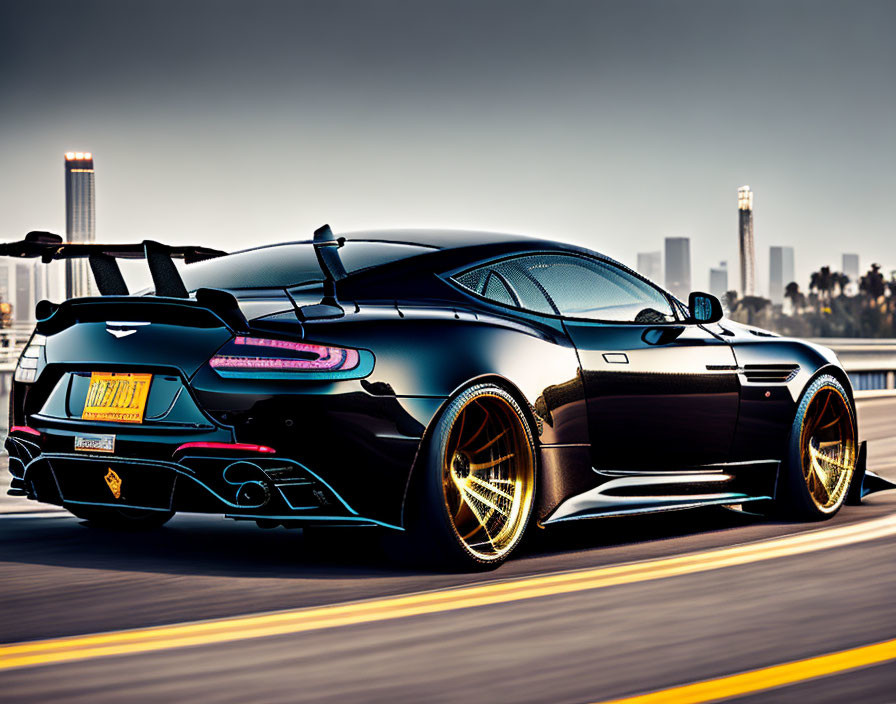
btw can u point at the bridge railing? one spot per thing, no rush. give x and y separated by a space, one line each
871 364
11 342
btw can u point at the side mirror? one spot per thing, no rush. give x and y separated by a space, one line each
704 308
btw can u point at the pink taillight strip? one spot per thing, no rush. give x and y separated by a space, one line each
328 358
228 362
24 429
241 446
281 344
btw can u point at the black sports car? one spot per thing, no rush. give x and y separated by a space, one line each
460 386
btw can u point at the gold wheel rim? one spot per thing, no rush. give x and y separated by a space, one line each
488 476
828 448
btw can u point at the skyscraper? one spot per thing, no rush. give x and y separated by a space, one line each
80 219
650 264
851 267
6 289
678 266
780 272
718 280
26 284
23 305
747 252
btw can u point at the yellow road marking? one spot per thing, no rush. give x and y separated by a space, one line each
768 677
141 640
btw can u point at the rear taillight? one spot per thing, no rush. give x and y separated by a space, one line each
26 369
24 429
235 446
266 357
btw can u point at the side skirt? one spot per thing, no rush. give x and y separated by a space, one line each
623 493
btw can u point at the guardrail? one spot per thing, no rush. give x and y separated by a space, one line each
871 364
11 342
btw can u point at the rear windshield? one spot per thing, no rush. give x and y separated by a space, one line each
283 265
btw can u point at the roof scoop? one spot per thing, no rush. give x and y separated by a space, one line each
326 249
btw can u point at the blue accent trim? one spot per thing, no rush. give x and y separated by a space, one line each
21 462
94 503
187 472
22 441
289 503
281 459
312 519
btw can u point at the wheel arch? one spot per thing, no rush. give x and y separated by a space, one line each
489 378
839 373
790 490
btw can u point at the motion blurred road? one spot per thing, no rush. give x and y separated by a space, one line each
700 619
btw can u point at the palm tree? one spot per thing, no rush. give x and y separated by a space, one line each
840 280
872 284
795 296
822 283
730 300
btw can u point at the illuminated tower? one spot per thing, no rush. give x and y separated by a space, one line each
80 219
747 252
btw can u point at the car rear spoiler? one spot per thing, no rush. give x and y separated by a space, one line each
103 260
211 307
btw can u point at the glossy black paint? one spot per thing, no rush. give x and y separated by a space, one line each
611 405
673 396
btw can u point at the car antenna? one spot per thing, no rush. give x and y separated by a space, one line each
326 249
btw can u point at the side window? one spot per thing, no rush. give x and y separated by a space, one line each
573 286
507 282
587 288
497 290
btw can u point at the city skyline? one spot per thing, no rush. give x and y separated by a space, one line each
76 279
260 122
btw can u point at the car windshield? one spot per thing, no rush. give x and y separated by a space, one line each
279 266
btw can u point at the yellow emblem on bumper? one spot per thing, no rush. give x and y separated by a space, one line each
114 482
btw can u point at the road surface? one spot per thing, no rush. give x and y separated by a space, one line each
603 610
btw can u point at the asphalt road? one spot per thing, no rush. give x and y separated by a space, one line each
689 619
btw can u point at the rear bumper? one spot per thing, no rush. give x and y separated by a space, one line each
357 449
238 485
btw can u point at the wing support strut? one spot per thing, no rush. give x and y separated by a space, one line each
326 249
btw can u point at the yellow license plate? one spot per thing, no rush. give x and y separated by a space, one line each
116 397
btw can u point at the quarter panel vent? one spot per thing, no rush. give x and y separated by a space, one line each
770 373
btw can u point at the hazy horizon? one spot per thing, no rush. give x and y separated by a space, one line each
608 124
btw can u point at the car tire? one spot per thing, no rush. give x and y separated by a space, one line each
821 454
123 519
474 490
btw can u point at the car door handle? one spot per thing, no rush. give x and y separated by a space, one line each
615 358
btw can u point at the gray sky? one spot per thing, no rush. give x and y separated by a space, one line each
609 124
